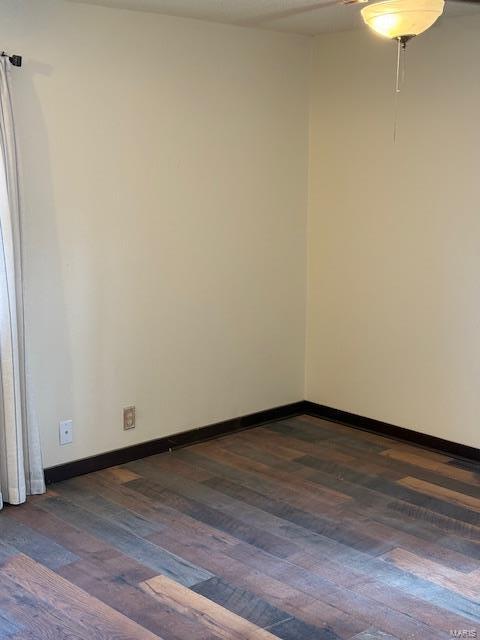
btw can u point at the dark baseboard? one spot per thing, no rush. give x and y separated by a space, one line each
385 429
160 445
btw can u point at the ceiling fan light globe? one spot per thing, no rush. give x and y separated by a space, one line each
399 18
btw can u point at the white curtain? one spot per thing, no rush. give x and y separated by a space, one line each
21 470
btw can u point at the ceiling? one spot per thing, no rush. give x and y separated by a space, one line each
278 15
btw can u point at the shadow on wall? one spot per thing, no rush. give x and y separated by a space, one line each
45 306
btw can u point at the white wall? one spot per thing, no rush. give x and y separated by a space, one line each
165 195
394 231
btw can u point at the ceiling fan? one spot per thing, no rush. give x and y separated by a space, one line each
399 20
314 6
389 16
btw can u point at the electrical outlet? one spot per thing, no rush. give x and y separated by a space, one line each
66 432
128 418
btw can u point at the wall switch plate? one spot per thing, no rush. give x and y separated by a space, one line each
66 432
128 418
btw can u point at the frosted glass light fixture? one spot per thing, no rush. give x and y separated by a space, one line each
402 19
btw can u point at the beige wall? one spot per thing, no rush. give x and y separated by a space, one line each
394 231
165 196
165 171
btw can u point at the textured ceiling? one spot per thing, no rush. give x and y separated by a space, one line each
297 16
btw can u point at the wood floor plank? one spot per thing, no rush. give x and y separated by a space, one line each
338 427
467 552
409 535
431 614
110 576
335 432
288 447
447 470
393 490
8 628
452 545
6 549
220 621
88 613
241 601
279 594
171 518
397 591
442 492
262 614
443 523
373 634
132 545
392 468
435 572
301 529
262 440
321 525
28 541
422 452
35 619
268 464
368 462
388 575
299 491
468 465
118 590
173 462
99 505
83 544
232 517
287 429
118 475
452 549
287 537
386 619
299 630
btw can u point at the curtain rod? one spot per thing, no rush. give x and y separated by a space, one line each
15 60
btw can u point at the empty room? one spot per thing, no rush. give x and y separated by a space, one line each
239 319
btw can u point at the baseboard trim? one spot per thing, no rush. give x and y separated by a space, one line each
160 445
384 428
200 434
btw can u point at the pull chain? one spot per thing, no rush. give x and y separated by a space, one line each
397 76
399 79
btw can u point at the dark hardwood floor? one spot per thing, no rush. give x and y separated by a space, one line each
300 529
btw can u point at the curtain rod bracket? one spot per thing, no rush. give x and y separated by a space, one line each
15 60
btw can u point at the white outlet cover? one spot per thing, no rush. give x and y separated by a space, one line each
66 432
